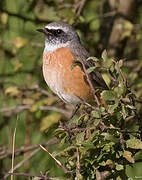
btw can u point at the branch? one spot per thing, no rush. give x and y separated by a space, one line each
27 158
57 161
23 161
77 163
6 152
36 20
78 6
38 89
31 175
19 108
90 84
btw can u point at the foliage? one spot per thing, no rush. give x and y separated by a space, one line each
99 142
102 143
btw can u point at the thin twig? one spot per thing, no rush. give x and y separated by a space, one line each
112 77
27 158
32 175
122 141
90 106
79 6
38 89
6 153
15 108
57 161
13 149
20 108
90 84
52 108
26 175
23 161
105 127
77 163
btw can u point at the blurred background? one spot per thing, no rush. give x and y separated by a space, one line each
25 100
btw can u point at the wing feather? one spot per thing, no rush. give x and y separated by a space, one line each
82 54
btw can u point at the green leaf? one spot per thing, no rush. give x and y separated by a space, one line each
91 69
49 120
102 163
128 156
124 112
92 58
110 137
118 178
12 91
96 122
119 167
76 120
108 95
134 143
121 89
88 145
79 177
4 18
28 101
106 78
104 55
131 106
110 102
77 63
112 107
80 138
107 62
127 29
96 114
95 25
120 63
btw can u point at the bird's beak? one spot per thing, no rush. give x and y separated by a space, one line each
40 30
45 31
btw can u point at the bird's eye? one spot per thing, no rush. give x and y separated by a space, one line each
59 31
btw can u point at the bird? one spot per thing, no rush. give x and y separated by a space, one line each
62 49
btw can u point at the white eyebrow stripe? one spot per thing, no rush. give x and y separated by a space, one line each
55 27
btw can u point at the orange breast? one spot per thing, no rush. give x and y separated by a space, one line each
61 79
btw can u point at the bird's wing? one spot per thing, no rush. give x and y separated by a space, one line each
81 53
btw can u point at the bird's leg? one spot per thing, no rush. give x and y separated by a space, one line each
65 127
75 111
